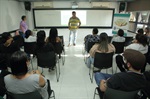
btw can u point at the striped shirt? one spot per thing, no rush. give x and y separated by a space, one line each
74 22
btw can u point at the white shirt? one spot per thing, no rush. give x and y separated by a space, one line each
118 39
30 39
138 47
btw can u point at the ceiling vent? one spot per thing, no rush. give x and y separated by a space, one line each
43 5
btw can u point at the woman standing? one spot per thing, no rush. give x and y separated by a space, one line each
23 26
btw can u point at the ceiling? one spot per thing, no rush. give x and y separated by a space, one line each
81 0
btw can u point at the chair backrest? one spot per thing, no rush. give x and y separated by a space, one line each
103 60
29 47
128 40
58 48
62 38
90 45
31 95
46 59
117 94
109 38
119 47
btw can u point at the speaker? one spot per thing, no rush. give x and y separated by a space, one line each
122 6
27 5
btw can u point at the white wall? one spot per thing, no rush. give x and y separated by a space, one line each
68 5
10 14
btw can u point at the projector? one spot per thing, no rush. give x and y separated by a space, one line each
74 6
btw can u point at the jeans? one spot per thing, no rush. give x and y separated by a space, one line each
101 76
72 39
90 60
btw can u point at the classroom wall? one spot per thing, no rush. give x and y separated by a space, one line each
81 32
63 4
10 15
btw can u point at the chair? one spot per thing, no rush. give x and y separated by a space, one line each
48 60
89 46
128 40
101 61
31 95
50 91
60 51
119 46
109 38
29 48
116 94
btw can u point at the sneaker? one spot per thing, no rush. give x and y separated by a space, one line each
74 44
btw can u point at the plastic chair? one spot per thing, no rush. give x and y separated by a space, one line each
59 48
101 61
48 60
89 46
50 91
128 40
116 94
119 46
31 95
29 48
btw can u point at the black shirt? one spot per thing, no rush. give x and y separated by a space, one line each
3 73
47 47
127 81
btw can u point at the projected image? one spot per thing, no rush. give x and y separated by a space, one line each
60 17
65 16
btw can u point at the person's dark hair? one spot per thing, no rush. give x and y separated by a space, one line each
135 58
28 33
41 38
73 12
53 33
23 17
148 29
142 39
120 32
18 63
95 30
5 37
103 43
140 31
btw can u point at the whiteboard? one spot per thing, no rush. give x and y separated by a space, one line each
46 18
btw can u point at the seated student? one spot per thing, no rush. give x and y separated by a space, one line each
29 36
140 31
3 73
102 47
119 37
140 44
20 81
9 45
53 36
147 31
91 38
43 46
126 81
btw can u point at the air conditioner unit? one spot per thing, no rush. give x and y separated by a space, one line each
100 4
43 5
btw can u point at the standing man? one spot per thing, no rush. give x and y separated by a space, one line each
23 26
74 24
